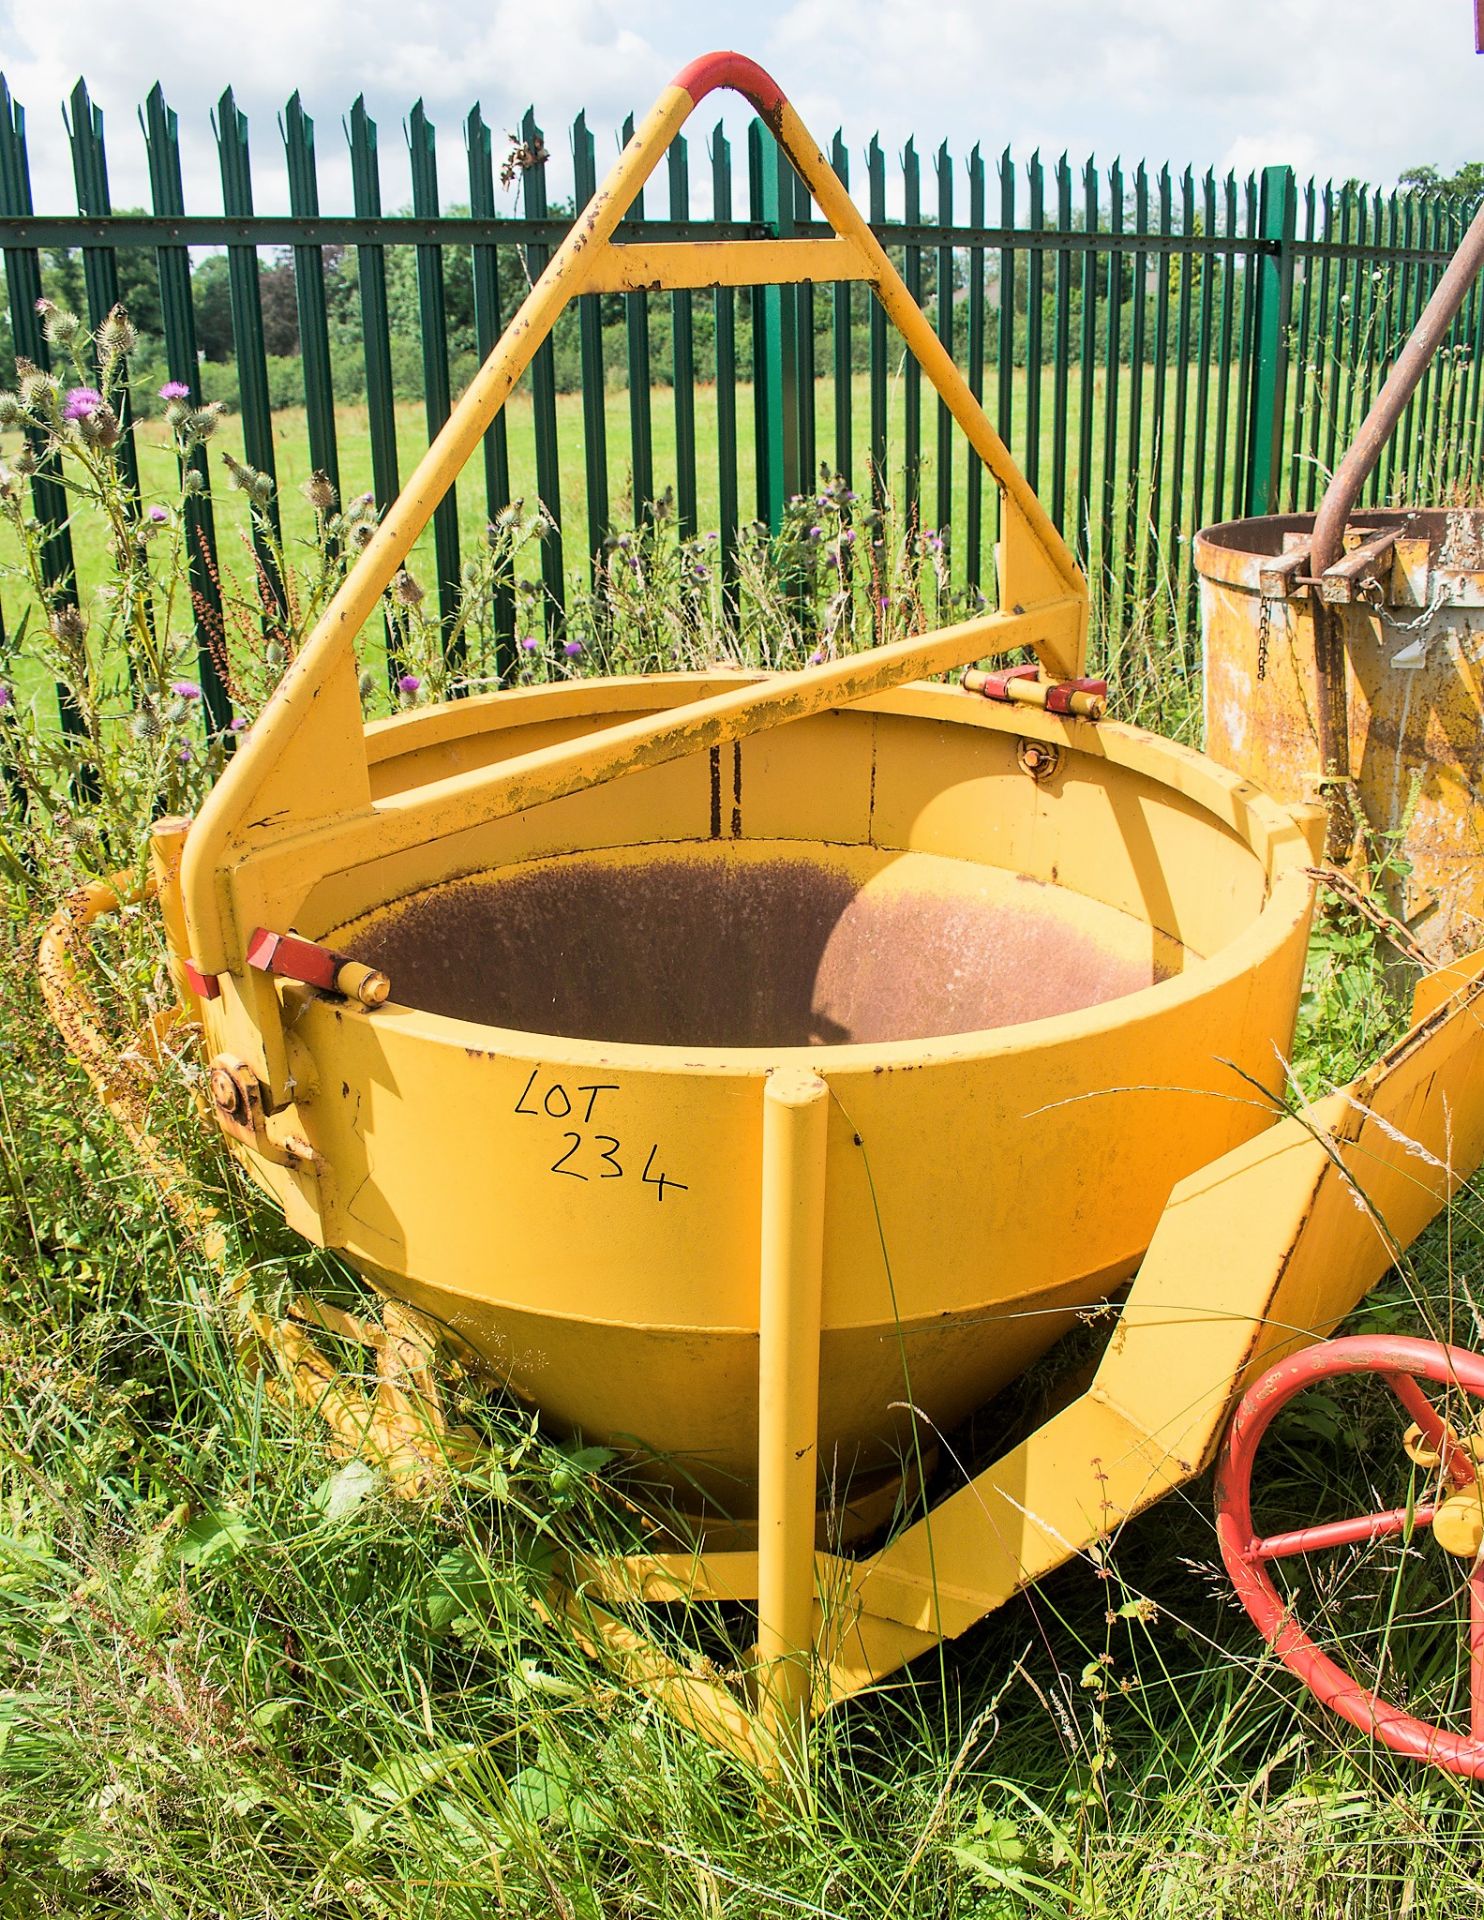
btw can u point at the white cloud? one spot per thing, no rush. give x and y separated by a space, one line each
1335 87
561 54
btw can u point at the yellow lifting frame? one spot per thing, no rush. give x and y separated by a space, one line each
296 801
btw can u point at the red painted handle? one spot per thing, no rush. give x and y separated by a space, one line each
734 70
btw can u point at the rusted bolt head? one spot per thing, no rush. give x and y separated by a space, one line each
1039 758
234 1094
225 1090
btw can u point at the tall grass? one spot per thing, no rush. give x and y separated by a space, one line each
238 1677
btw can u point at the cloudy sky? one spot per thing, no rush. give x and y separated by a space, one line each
1334 87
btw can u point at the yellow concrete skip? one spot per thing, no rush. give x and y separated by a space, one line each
583 1206
762 1071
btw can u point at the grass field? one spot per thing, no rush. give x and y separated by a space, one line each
1119 527
1145 623
291 449
157 466
239 1678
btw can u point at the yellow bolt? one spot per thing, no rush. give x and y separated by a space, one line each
1424 1454
366 984
1421 1452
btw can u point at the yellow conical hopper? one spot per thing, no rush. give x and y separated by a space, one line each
747 1039
1036 1003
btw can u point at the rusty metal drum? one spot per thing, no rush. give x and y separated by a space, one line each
1411 613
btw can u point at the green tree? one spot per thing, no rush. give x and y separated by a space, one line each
280 305
212 300
139 286
212 297
1467 183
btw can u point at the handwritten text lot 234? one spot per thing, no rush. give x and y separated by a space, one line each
588 1154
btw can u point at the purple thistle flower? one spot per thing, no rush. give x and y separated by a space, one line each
814 532
7 698
158 515
187 689
183 753
572 648
530 644
175 390
816 659
408 683
237 723
82 403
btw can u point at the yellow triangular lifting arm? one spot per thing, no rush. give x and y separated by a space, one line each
304 767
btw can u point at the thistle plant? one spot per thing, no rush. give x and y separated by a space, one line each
130 656
125 659
164 663
441 658
839 574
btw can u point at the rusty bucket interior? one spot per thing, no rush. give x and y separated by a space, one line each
758 943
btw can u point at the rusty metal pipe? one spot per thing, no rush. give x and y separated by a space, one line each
1350 476
1386 409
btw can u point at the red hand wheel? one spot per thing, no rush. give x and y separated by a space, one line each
1419 1631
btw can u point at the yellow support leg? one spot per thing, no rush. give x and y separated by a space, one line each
795 1121
167 840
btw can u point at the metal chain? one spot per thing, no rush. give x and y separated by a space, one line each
1264 622
1366 905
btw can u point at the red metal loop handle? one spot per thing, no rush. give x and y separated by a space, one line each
1398 1360
712 70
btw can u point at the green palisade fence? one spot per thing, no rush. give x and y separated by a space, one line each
1160 350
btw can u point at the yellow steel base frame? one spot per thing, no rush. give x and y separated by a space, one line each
1261 1252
